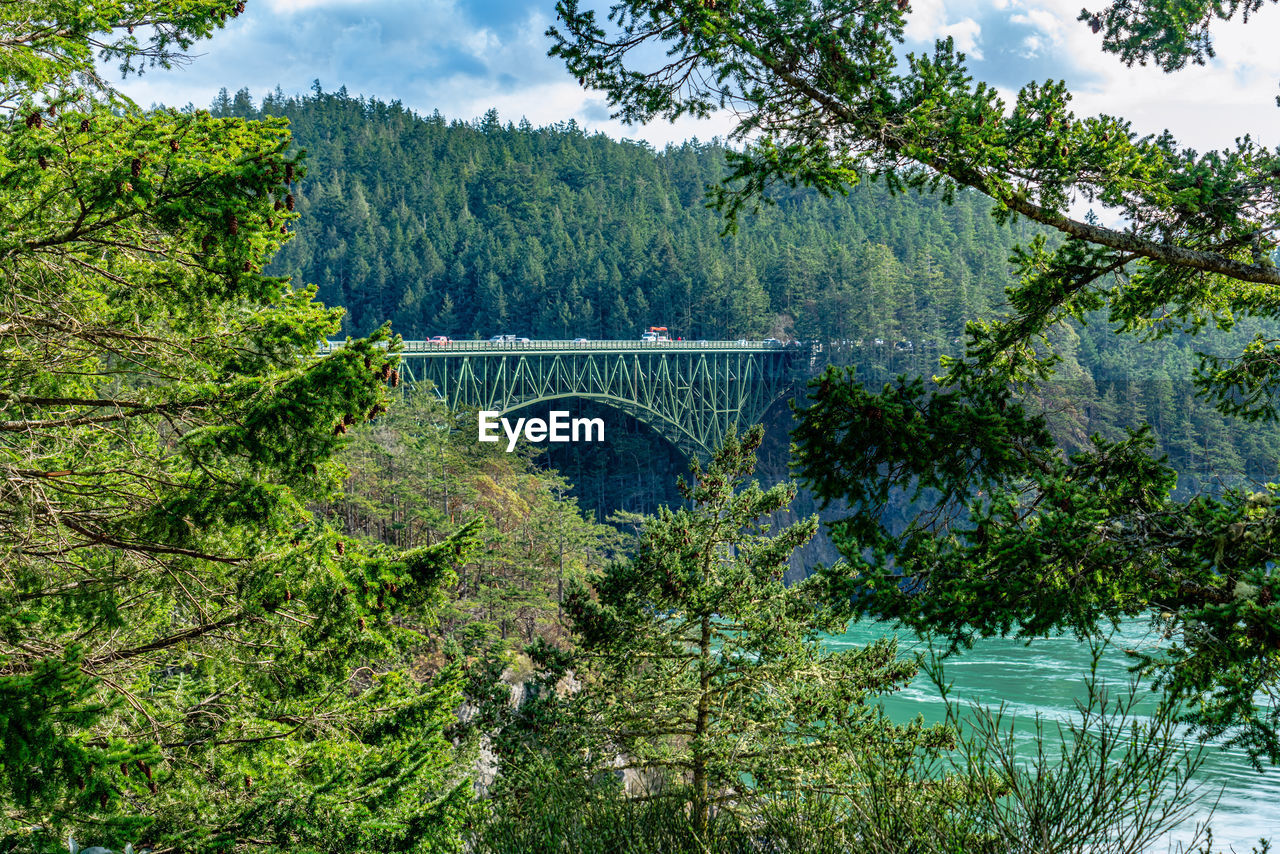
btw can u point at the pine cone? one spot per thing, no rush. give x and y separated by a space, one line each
288 201
247 266
386 371
42 162
288 173
52 110
84 125
35 120
173 145
360 623
233 225
395 378
135 167
342 547
340 429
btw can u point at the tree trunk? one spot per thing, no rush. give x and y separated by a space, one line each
701 797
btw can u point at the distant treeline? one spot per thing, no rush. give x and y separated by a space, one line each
468 229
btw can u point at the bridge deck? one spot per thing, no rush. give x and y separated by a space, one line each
691 392
420 348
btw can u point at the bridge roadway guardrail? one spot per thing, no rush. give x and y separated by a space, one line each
421 347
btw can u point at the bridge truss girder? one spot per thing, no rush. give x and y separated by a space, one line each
690 397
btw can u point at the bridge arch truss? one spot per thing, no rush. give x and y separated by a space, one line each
691 393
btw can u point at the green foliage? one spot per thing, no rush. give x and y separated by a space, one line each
1013 534
510 222
417 476
711 674
470 229
1105 781
607 747
826 96
188 660
1010 536
1170 33
1114 777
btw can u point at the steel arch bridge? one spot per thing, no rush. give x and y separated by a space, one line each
691 393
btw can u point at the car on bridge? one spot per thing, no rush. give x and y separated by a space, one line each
655 335
771 342
581 340
498 339
438 339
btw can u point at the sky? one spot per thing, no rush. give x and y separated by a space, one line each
463 57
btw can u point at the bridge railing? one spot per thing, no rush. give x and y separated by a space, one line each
574 346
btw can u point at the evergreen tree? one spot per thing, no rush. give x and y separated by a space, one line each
711 669
187 660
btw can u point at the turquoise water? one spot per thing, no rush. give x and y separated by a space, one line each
1047 677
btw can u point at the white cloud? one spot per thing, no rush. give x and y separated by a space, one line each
448 55
928 20
1204 106
966 34
1045 21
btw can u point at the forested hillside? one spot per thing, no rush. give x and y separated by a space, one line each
469 229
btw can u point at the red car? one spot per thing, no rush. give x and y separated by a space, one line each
439 339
